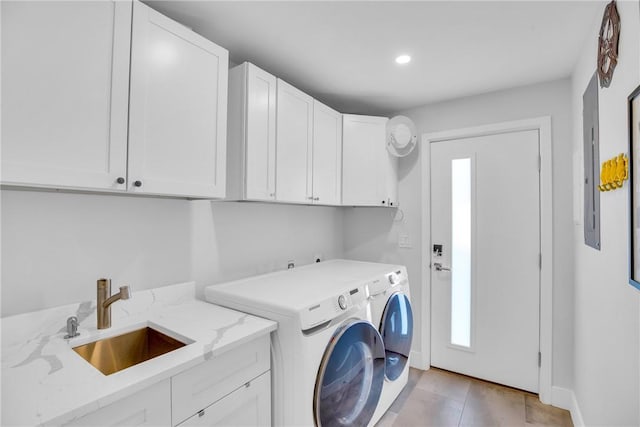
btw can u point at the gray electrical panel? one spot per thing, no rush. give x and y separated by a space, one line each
591 164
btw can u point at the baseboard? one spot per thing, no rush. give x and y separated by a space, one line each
576 414
566 399
562 398
418 361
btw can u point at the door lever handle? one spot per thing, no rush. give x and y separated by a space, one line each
439 267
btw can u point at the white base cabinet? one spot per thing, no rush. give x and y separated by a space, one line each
229 389
207 383
249 405
149 407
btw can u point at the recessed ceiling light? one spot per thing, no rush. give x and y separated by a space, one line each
403 59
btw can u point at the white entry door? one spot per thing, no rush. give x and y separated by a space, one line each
485 255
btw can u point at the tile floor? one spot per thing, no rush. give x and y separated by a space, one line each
441 398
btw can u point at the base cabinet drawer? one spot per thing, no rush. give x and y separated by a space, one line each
249 405
210 381
149 407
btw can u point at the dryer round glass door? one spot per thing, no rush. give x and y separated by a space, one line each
397 332
350 377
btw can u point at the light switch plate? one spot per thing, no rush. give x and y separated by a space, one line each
404 241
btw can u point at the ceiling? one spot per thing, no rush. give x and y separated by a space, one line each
342 52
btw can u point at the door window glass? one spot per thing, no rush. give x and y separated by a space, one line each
461 252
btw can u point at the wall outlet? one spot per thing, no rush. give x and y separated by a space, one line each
290 264
318 258
404 241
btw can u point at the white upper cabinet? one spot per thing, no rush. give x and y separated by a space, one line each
65 86
308 165
293 145
251 149
178 109
327 155
369 172
111 96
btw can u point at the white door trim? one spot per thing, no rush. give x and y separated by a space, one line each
543 125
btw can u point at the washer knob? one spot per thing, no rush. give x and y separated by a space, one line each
392 279
342 302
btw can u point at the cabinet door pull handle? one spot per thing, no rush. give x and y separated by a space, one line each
120 180
316 198
137 184
201 413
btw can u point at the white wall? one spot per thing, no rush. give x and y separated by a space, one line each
607 309
55 245
235 239
372 234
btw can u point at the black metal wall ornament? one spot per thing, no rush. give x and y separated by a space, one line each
608 44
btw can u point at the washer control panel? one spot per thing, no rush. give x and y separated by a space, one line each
388 281
335 306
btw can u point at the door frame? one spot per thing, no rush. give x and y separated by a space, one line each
422 359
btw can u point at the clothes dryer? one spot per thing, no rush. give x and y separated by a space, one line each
390 310
328 360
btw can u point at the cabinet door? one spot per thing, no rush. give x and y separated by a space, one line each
327 155
250 405
391 178
294 145
65 87
178 109
207 382
149 407
365 162
260 166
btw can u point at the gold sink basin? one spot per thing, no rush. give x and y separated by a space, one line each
114 354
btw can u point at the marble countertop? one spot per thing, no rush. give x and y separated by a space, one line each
45 382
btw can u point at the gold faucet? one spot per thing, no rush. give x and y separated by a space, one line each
105 301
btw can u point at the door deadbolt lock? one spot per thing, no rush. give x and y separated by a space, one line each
437 250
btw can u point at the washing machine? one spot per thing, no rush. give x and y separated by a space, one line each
391 313
328 359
